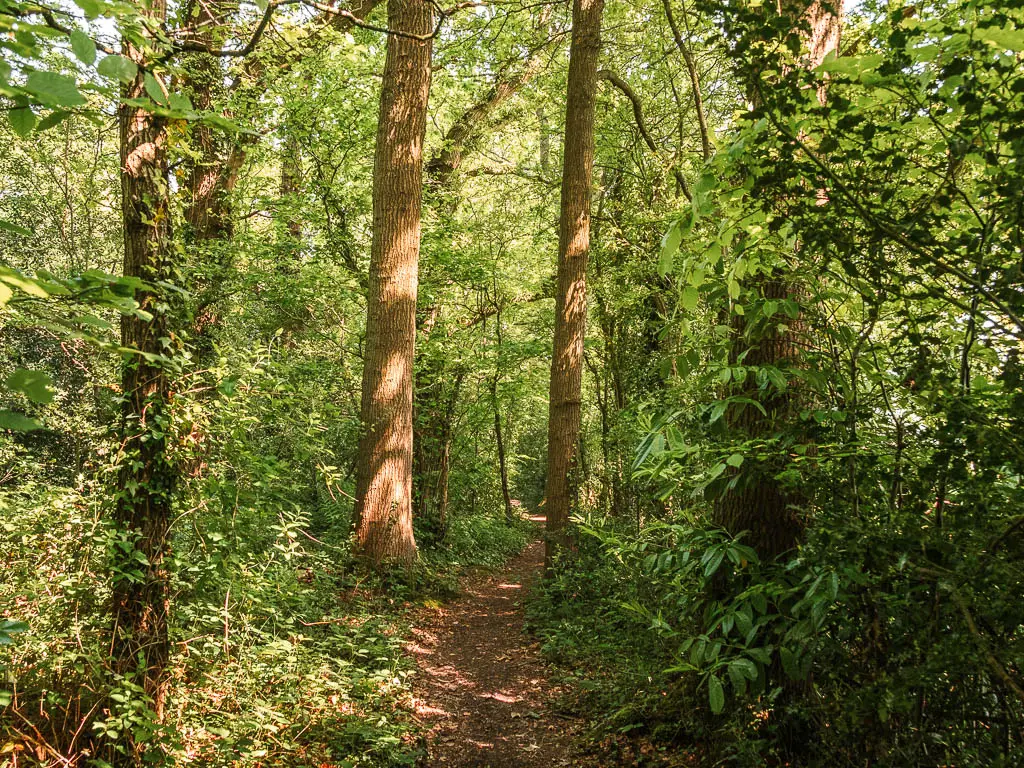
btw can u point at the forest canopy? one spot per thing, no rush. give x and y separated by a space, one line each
313 312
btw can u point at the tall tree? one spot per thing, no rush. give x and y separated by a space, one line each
499 436
573 251
760 503
383 513
146 481
437 385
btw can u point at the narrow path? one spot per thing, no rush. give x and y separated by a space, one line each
482 688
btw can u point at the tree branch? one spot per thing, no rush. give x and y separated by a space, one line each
691 68
638 116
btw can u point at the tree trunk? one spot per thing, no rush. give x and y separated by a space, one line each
434 430
499 437
383 513
291 180
759 503
573 249
146 479
211 177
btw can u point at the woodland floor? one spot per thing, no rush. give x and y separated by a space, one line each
482 689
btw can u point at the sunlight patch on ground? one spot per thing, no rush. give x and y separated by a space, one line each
504 698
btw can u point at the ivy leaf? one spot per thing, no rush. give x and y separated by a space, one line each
35 385
83 47
54 89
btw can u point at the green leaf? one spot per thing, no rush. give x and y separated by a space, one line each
735 460
18 280
745 667
733 288
789 663
118 67
714 562
153 89
54 118
91 8
1006 38
852 65
23 120
739 682
12 627
716 695
83 46
688 298
35 385
744 621
179 102
219 121
18 422
669 246
54 89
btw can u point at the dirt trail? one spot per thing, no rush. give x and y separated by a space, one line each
481 687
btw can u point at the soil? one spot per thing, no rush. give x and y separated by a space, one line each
482 689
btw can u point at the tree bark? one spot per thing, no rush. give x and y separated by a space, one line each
146 481
573 250
383 512
760 504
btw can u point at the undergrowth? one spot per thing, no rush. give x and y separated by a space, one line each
284 655
680 637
